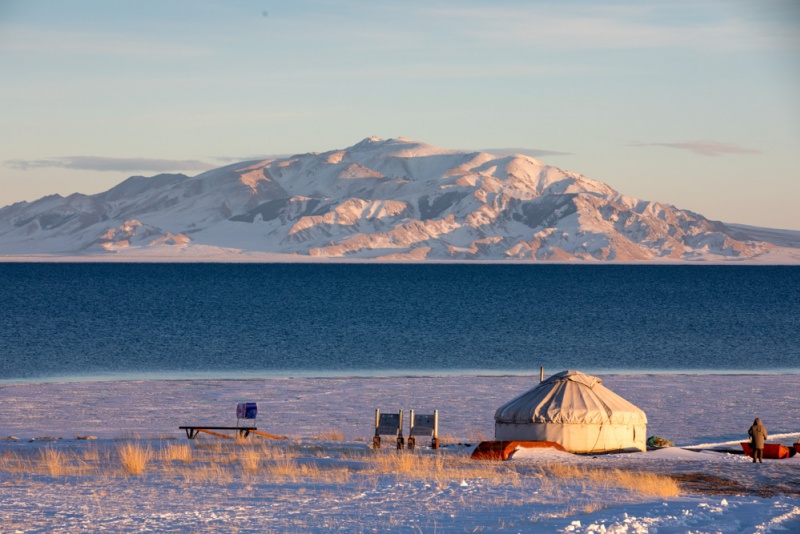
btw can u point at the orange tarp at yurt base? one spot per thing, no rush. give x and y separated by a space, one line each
501 450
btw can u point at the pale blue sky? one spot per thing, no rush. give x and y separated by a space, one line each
694 103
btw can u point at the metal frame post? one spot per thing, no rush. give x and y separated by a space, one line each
411 439
400 441
435 441
376 440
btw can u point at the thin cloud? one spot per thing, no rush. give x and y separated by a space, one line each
532 152
590 26
26 39
705 148
98 163
240 159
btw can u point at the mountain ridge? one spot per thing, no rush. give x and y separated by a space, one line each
380 199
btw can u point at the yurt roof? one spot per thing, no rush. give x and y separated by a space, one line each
570 397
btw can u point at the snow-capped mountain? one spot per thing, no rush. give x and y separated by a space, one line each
389 199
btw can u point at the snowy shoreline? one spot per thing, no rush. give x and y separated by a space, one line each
722 492
719 406
780 256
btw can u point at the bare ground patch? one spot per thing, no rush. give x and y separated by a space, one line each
704 484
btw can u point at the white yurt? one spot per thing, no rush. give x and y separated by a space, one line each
576 411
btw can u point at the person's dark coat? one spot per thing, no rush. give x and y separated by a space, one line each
758 434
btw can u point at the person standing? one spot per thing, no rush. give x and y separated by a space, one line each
758 434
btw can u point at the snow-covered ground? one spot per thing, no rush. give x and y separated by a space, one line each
344 491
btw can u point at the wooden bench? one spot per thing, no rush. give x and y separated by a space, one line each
245 411
192 431
245 414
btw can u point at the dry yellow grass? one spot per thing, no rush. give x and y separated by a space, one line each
331 435
209 474
11 462
221 461
176 453
6 460
400 463
53 461
91 454
272 452
15 463
210 446
250 460
444 439
476 435
134 457
646 483
337 475
49 460
642 482
442 469
285 467
292 470
240 440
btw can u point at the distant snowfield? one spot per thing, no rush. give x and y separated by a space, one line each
786 252
210 254
722 492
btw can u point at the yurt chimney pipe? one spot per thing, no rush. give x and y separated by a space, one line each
541 374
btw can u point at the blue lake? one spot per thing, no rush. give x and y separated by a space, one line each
83 321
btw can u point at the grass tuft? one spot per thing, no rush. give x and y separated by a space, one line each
134 457
91 454
53 461
331 435
250 459
176 453
642 482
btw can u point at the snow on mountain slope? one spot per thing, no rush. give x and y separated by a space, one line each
379 199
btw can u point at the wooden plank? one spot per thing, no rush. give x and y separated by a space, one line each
270 436
192 431
219 427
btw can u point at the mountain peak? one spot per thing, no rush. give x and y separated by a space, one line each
368 141
401 147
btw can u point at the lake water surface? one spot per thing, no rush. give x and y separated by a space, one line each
85 321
